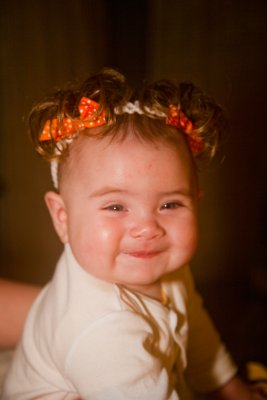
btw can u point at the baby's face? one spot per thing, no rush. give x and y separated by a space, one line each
129 209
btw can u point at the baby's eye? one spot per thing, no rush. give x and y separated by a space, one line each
171 205
115 207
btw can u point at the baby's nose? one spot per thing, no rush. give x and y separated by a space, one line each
147 229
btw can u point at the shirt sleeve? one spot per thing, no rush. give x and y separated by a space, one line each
114 359
209 363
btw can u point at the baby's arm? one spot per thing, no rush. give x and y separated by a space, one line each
209 365
15 301
209 362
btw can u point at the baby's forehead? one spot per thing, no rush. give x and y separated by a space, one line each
130 139
101 159
127 167
103 154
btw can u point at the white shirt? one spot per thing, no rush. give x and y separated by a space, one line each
90 339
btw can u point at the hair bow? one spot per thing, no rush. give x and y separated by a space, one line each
179 120
58 130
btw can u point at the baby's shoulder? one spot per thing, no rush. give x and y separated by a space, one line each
179 286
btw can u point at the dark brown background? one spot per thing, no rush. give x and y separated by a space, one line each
221 46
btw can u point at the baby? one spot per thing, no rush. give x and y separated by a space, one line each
121 318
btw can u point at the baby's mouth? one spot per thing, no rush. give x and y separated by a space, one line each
143 254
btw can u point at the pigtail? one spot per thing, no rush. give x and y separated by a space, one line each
110 89
158 96
207 117
63 103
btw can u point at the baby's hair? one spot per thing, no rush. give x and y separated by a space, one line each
112 92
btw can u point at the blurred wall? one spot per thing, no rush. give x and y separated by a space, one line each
220 45
44 44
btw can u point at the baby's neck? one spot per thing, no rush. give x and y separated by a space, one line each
153 290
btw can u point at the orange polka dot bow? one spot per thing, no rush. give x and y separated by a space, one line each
179 120
58 130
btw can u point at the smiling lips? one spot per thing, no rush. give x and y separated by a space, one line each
143 254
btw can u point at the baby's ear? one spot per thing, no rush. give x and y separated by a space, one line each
57 210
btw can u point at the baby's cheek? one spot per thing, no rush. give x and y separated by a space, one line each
193 244
105 233
187 235
193 237
99 239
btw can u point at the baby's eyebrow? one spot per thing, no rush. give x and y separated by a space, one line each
179 192
107 190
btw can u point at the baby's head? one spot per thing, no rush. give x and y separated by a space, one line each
127 201
103 106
